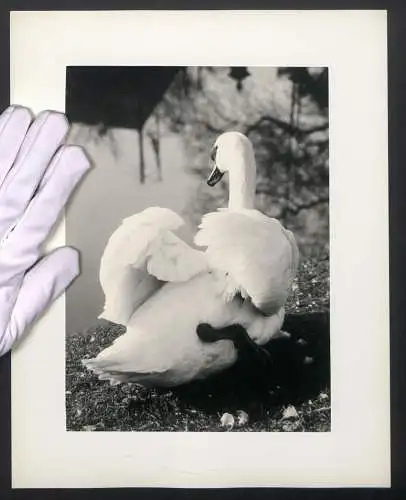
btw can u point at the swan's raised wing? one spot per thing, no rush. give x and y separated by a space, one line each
256 253
142 255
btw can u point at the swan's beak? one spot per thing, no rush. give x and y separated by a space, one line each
215 176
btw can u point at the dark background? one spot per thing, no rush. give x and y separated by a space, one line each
397 156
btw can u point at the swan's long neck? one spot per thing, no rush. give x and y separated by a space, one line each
242 180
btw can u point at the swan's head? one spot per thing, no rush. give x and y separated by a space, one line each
230 150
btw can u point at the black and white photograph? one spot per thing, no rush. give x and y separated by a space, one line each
203 227
228 322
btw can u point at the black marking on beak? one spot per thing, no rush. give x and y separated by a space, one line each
215 176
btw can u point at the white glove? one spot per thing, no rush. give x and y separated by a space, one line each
37 177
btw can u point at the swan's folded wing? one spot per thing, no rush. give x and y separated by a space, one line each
256 253
142 255
171 259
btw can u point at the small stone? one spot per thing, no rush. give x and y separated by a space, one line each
323 396
308 360
89 427
227 421
242 418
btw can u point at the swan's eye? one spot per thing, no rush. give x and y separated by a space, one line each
213 154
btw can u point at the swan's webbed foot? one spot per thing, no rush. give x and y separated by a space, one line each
246 347
209 334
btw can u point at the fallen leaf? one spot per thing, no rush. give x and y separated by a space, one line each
290 413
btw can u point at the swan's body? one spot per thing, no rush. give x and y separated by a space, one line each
161 288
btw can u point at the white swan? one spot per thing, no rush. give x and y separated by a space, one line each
161 288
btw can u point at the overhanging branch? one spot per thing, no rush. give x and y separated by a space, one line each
295 208
287 127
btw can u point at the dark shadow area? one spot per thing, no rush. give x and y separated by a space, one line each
300 370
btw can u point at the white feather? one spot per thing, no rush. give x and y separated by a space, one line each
257 253
141 254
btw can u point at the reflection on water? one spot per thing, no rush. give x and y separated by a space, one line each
109 193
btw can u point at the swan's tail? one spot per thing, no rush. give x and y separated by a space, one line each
104 370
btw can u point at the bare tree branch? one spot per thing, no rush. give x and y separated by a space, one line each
287 127
294 208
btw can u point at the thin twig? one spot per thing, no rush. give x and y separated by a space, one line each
285 126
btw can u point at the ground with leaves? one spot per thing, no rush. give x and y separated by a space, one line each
294 397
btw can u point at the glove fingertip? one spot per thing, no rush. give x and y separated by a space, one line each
71 259
65 262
